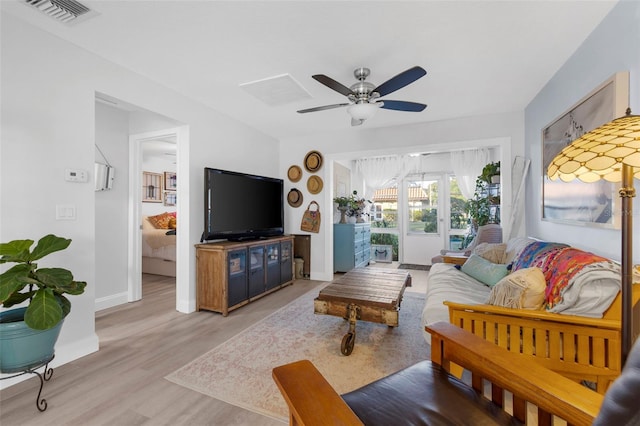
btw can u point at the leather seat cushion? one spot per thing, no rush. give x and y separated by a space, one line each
620 405
424 394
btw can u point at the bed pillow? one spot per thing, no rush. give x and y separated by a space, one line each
486 272
160 221
522 289
493 252
173 223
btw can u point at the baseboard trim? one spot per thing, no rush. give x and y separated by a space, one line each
111 301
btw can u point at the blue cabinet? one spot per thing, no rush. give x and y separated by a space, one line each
351 246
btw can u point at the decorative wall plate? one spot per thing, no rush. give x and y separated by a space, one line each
294 173
294 198
314 184
313 161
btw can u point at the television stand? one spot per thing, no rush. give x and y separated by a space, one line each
240 239
230 274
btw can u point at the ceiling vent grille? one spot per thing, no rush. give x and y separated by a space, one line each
65 11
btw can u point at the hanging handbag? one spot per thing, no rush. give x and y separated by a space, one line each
311 219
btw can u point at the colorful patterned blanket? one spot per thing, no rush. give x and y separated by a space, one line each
562 266
535 253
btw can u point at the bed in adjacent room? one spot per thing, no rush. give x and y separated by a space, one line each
159 244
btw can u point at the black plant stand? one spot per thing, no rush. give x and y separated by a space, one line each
45 376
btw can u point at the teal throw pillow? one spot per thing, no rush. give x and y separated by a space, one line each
484 271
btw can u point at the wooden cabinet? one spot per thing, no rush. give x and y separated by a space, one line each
351 246
231 274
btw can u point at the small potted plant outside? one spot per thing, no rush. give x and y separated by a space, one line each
28 334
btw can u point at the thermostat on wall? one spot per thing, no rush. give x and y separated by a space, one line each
76 175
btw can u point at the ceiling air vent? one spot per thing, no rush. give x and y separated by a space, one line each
65 11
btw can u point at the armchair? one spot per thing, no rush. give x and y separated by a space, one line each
426 393
491 233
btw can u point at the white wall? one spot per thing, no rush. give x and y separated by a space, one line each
112 137
362 141
613 46
48 124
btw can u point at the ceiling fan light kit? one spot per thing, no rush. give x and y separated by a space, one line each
363 111
363 95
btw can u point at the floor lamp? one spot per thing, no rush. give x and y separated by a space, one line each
610 152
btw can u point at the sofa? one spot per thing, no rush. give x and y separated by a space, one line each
504 388
543 300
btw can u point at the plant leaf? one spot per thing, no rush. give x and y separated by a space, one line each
74 288
13 279
44 311
65 304
49 244
54 277
17 298
15 251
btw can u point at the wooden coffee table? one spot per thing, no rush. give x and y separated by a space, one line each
366 294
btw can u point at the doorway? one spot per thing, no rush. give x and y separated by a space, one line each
136 146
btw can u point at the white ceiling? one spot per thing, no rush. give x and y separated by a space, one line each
481 57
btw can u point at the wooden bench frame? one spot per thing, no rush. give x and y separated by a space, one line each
312 401
579 348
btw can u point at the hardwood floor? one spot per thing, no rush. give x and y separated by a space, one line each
140 343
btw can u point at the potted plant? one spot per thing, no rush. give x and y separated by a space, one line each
491 173
344 205
28 334
478 207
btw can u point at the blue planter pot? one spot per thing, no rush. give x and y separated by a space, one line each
21 347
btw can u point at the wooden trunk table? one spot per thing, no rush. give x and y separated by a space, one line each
366 294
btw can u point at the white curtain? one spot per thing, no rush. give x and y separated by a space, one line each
467 166
383 172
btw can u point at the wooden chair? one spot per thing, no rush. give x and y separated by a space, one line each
494 370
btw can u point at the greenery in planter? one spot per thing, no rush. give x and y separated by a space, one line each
491 169
386 239
44 288
478 206
356 205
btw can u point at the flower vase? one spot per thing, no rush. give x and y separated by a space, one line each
359 218
343 211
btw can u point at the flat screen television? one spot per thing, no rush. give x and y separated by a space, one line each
240 206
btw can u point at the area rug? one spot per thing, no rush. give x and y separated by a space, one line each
239 370
416 267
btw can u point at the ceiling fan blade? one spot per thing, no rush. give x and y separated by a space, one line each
322 108
356 122
402 105
400 80
332 84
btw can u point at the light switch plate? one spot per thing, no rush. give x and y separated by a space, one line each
65 212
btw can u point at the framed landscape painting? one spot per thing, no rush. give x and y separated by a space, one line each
576 202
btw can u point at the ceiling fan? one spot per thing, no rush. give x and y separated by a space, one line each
364 96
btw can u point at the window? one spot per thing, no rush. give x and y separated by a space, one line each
422 199
458 216
384 212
